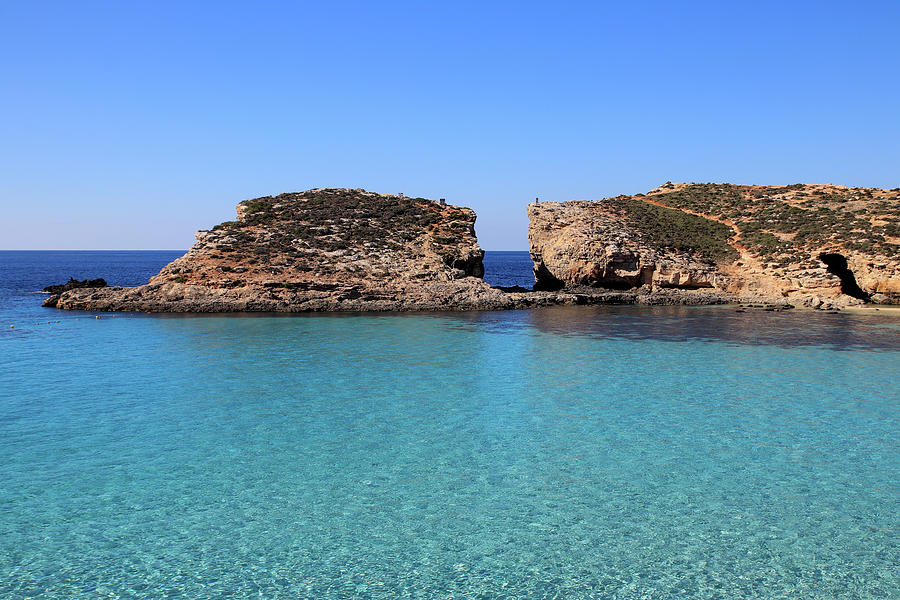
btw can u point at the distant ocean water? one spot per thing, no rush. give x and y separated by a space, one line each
570 452
508 269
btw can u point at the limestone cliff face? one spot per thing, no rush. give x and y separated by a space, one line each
323 249
353 250
815 244
592 244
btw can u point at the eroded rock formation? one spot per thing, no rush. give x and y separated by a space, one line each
72 284
820 245
319 250
353 250
598 244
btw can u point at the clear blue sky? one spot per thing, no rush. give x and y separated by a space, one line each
133 124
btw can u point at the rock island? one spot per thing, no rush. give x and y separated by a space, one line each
817 245
821 246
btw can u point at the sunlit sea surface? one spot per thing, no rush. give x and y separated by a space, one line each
612 452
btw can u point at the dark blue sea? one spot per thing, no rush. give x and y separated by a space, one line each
568 452
508 269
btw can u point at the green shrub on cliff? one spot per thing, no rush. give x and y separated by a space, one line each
669 228
330 220
792 221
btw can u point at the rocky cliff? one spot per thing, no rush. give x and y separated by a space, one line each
319 250
353 250
819 245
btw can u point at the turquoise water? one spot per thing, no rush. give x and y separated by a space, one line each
561 453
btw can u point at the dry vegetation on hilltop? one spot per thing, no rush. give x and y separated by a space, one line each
815 244
319 250
331 219
331 232
789 225
673 229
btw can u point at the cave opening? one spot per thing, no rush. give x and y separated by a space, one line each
544 279
837 265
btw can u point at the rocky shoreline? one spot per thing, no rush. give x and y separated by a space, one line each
56 291
158 298
180 298
342 250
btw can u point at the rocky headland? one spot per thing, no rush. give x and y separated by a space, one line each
319 250
822 246
354 250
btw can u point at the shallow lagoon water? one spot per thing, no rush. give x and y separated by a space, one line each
613 452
